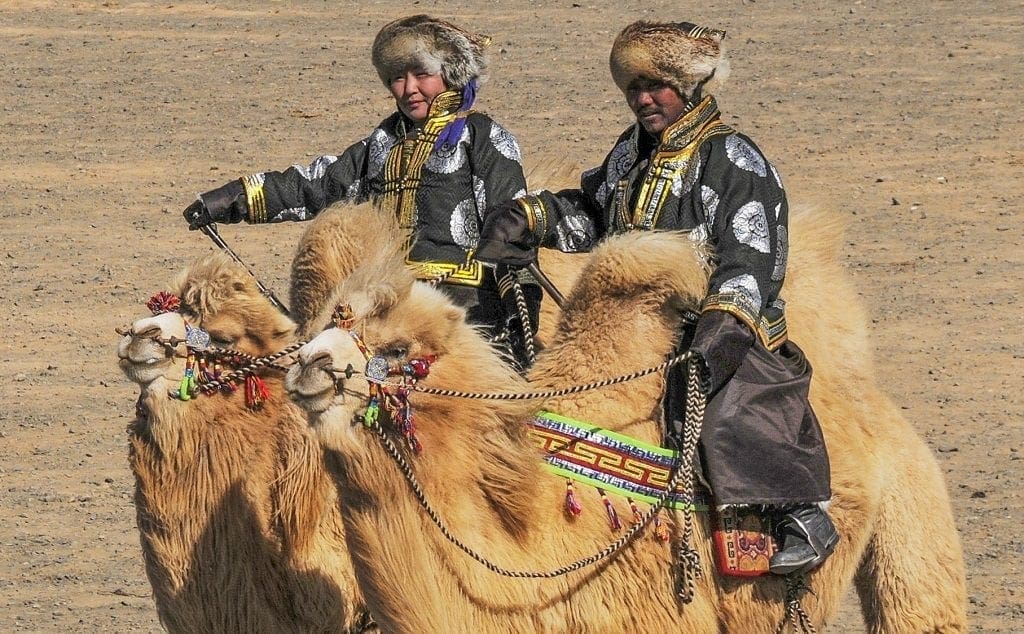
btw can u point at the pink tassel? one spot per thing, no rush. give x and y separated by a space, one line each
613 517
572 505
637 515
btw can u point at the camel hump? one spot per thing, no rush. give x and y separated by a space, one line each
629 264
216 281
823 307
335 242
816 234
552 172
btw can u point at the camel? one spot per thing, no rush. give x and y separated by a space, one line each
484 477
239 522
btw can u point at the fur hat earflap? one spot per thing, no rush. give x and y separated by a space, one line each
685 56
433 45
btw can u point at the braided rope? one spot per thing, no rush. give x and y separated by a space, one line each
687 556
244 371
521 396
694 422
795 614
609 550
524 320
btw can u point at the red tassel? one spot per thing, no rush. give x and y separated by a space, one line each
637 515
163 302
255 391
613 517
572 505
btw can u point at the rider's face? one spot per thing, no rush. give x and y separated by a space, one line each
656 104
414 90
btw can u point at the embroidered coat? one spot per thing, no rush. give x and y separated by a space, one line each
761 442
440 193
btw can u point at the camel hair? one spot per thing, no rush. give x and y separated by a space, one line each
238 519
484 477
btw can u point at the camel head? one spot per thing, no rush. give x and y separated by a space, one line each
216 296
392 321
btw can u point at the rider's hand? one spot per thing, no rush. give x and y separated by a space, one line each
722 341
506 237
225 204
197 216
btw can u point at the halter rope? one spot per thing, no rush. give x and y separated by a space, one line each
689 560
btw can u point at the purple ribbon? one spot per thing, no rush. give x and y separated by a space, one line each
452 132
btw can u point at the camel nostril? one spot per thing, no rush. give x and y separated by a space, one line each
320 361
148 332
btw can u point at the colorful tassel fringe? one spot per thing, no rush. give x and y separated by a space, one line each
572 504
613 517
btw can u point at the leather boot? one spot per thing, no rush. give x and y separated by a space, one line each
808 537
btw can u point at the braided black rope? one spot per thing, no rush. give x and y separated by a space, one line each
795 614
687 556
524 320
692 422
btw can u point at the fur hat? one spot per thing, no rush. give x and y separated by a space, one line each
433 45
681 54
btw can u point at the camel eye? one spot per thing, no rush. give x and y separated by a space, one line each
222 340
396 351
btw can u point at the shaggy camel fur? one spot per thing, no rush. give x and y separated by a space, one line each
484 477
239 522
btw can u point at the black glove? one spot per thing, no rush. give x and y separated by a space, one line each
722 341
506 237
224 204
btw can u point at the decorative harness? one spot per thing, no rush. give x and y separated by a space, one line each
681 470
209 369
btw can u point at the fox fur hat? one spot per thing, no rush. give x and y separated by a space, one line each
433 45
683 55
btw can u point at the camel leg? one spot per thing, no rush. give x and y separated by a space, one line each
912 575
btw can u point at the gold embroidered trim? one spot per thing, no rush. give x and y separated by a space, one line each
536 215
403 167
674 159
771 333
255 198
469 274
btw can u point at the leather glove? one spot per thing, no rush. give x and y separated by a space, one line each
506 237
722 342
225 204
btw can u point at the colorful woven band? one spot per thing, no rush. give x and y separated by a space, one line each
608 460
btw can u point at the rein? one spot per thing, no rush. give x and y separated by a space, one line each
688 560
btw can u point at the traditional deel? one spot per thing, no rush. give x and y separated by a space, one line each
700 176
438 189
615 463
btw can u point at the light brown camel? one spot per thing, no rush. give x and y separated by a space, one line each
484 477
239 522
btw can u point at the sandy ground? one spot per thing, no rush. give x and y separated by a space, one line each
903 117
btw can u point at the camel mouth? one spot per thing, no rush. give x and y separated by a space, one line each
313 389
143 360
